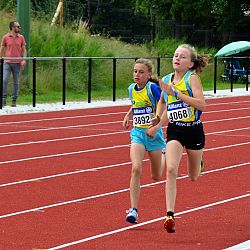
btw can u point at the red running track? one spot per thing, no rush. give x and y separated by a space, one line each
64 183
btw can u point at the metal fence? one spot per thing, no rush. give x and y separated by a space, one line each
64 60
231 77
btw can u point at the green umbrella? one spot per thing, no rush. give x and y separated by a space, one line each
233 48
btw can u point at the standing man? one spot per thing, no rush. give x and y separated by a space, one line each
12 45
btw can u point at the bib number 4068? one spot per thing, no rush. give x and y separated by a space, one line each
179 114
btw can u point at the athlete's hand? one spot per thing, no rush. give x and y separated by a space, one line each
151 131
154 121
125 122
161 83
169 89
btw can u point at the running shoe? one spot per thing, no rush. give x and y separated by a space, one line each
169 224
202 166
132 216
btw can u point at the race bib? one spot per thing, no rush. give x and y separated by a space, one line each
178 111
142 116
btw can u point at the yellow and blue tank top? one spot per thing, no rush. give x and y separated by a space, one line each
143 104
178 110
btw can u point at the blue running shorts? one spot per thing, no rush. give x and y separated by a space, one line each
138 135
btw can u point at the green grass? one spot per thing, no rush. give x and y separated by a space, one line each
75 41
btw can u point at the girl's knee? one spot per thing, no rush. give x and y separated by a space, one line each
136 171
172 171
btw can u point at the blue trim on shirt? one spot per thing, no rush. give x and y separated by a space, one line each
156 91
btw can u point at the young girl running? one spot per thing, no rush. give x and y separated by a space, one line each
144 96
183 94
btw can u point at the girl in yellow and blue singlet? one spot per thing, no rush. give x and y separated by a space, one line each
183 101
144 96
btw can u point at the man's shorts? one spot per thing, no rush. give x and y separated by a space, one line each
190 135
138 135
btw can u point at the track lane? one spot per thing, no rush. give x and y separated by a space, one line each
59 146
82 220
21 148
48 191
208 153
220 122
62 117
62 114
202 233
214 103
51 162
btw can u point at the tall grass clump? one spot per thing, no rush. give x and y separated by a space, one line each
47 41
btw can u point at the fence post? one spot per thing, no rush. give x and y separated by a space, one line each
215 74
158 66
64 80
34 81
248 79
231 73
114 79
89 80
1 84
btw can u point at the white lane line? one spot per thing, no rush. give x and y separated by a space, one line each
227 119
146 223
224 110
228 146
121 131
227 131
99 149
105 114
227 103
242 246
109 193
102 123
63 139
62 118
57 128
64 154
103 134
96 135
66 173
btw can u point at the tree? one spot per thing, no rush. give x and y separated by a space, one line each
229 17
